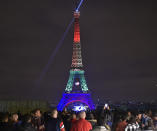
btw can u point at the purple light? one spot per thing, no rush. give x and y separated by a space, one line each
84 98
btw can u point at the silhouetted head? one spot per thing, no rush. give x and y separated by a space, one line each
27 119
37 113
90 116
82 115
101 121
5 118
124 118
54 113
15 117
73 116
132 120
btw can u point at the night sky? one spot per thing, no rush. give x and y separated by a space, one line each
118 48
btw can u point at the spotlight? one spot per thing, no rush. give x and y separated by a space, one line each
77 83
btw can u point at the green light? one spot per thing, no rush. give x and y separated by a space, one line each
71 80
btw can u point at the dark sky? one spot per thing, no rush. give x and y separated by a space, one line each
118 47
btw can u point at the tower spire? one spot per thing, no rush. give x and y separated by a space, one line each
76 57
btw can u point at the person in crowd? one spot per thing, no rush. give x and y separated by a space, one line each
122 124
132 124
65 115
73 118
15 123
149 126
139 119
150 114
26 124
4 124
107 114
82 124
38 121
100 125
129 115
91 119
117 117
155 121
145 119
54 124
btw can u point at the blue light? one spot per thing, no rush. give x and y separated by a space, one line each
79 108
68 98
54 53
77 9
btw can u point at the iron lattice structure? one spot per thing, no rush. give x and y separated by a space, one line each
76 74
76 89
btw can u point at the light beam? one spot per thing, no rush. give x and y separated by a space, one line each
57 47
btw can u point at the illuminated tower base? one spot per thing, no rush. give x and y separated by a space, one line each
79 92
69 98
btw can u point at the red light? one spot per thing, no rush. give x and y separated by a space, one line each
76 31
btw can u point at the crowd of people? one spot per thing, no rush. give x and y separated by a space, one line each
102 119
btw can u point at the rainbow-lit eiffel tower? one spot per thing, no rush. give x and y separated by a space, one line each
76 89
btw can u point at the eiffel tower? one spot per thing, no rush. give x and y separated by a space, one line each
76 89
